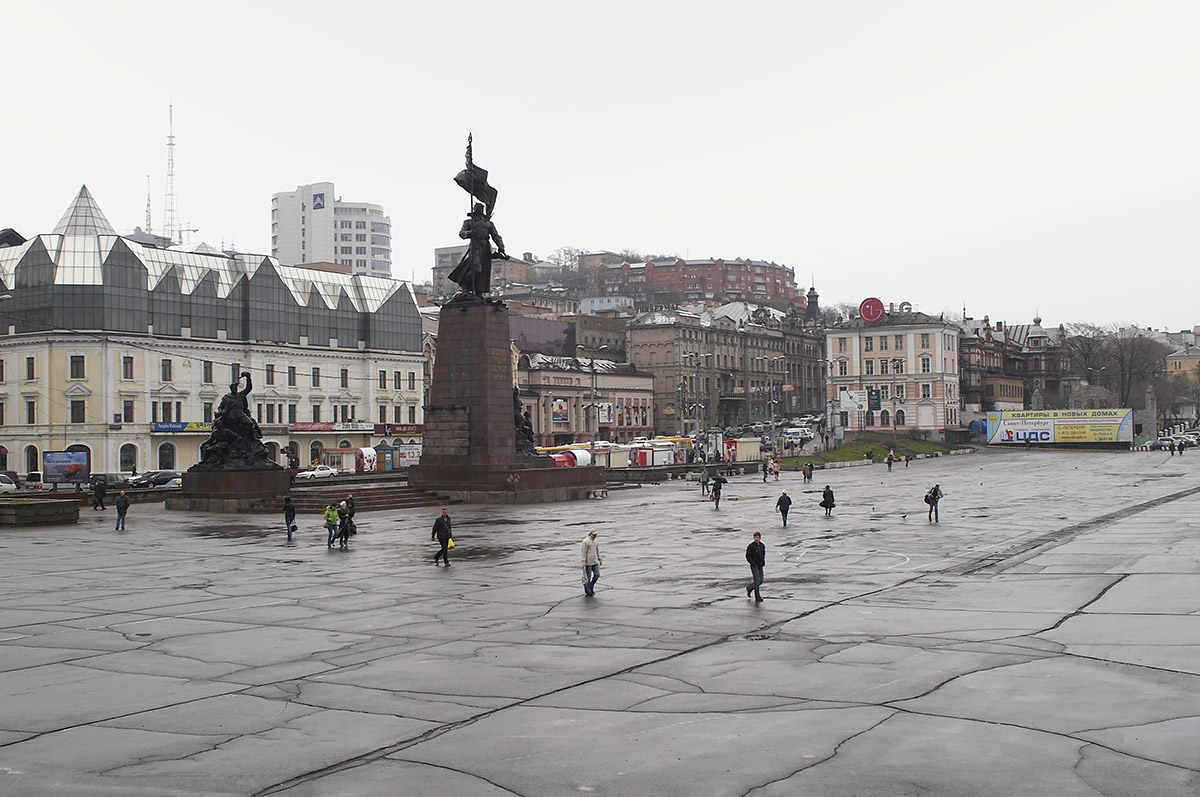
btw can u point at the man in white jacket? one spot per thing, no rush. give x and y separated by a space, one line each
591 563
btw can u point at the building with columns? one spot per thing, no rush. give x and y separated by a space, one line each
557 393
122 350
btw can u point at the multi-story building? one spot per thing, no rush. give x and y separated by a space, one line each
732 365
557 392
123 350
909 357
312 225
675 281
513 271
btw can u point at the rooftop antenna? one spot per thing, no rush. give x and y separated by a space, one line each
149 231
171 229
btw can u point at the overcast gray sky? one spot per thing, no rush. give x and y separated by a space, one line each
1016 157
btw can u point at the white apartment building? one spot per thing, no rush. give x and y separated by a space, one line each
313 225
912 360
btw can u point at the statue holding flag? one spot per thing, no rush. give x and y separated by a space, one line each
473 274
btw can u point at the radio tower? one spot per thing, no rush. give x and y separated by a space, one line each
170 226
149 231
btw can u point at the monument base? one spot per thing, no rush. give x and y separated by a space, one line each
232 492
531 482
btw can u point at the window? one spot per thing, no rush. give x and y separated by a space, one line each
885 393
412 414
77 366
870 367
360 250
127 411
1 370
397 416
30 372
926 365
316 378
412 380
269 373
899 343
128 457
1 413
883 342
316 413
270 413
361 237
235 372
165 371
291 376
841 345
78 414
842 368
899 417
868 343
883 367
884 418
166 412
926 390
383 380
208 412
870 417
291 413
395 380
345 378
924 340
153 412
166 457
206 372
899 395
382 413
31 412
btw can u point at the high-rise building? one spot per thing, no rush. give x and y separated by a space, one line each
313 225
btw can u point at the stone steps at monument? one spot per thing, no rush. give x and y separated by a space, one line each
367 497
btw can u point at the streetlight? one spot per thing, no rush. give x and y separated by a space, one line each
771 400
591 415
698 358
897 367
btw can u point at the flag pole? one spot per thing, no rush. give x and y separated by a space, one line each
470 176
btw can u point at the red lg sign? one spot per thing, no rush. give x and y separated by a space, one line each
871 310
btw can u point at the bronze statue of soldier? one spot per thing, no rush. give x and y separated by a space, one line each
474 271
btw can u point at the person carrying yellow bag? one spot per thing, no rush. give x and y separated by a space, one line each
441 533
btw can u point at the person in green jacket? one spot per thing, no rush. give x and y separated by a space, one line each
331 524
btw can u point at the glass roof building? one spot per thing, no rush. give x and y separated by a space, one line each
123 349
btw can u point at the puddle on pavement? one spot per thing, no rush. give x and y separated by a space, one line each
232 531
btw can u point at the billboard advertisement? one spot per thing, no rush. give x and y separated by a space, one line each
65 467
1109 428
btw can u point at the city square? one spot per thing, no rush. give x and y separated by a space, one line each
1040 638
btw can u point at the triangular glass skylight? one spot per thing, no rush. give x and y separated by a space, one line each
84 217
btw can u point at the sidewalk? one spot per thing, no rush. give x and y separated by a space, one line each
1042 638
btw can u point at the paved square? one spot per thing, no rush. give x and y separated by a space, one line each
1042 638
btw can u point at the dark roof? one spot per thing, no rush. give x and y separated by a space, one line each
10 237
910 319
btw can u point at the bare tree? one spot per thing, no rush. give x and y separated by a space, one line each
1087 345
1133 361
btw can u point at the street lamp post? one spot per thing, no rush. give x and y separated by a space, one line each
897 362
697 405
591 414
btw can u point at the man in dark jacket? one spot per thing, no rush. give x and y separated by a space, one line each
122 508
289 515
756 555
783 505
350 505
99 490
441 533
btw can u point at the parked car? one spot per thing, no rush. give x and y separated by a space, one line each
1160 444
12 476
33 480
319 472
154 478
175 482
7 485
799 433
113 481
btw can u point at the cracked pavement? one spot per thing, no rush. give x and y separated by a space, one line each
1043 638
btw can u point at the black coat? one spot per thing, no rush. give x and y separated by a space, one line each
756 553
441 529
784 503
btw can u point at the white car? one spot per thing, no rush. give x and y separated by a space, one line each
6 485
319 472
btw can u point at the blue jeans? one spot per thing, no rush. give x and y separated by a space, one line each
756 575
120 520
332 529
591 574
933 511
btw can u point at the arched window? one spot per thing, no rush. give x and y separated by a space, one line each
345 444
31 459
884 417
314 451
870 418
128 458
273 451
3 458
899 417
166 456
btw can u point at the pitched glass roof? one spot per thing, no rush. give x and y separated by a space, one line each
84 217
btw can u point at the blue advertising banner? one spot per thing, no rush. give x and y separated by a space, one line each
65 467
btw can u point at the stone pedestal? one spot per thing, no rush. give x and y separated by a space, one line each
469 440
232 491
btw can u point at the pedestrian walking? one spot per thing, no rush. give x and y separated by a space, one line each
704 480
891 457
1182 445
756 555
331 524
289 515
343 515
122 509
907 458
766 469
100 489
350 505
718 483
1171 447
807 470
441 533
827 501
591 563
932 497
775 469
783 505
